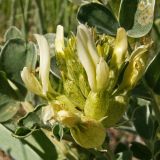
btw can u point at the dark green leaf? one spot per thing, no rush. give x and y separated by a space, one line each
142 119
152 75
126 155
127 13
141 151
57 130
13 58
115 6
5 87
97 15
157 149
121 148
42 145
140 91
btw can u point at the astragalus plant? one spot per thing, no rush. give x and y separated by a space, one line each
71 91
93 97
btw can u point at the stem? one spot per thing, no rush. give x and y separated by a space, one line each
110 155
41 16
24 20
13 13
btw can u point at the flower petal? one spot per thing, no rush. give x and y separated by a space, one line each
87 54
44 62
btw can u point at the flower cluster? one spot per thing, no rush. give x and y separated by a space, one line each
97 74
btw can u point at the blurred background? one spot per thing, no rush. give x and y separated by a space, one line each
37 16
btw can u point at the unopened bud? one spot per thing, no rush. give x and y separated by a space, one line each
135 69
120 49
31 82
59 40
102 75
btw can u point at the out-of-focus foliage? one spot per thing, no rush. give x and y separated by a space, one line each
37 16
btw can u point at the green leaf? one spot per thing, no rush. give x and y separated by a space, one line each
97 15
17 149
13 57
141 91
157 150
57 131
36 147
8 108
30 123
31 58
152 75
142 118
12 33
127 12
32 119
39 142
121 147
141 151
115 6
126 155
143 18
5 87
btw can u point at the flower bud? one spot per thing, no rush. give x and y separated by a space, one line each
120 49
89 133
102 75
59 40
31 82
135 69
96 105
